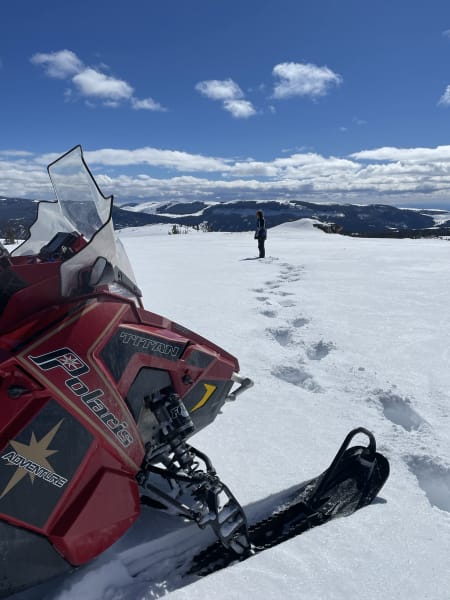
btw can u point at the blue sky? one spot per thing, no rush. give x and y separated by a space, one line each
332 100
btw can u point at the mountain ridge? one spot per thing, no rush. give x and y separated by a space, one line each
17 214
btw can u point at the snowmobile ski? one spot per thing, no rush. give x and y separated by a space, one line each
352 481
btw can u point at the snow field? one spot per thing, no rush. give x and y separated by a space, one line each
336 332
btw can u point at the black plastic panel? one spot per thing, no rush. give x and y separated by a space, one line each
26 559
125 343
36 467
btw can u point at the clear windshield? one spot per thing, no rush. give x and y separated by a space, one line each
82 204
80 208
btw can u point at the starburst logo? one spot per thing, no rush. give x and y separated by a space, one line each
31 459
71 362
63 357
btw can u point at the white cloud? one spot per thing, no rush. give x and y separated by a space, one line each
390 153
146 104
408 176
16 153
91 84
445 98
170 159
240 109
216 89
61 64
230 94
298 79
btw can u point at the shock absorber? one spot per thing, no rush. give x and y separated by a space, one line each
174 422
180 477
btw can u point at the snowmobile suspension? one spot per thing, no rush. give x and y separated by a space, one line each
178 477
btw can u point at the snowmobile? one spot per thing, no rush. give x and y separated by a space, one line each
99 398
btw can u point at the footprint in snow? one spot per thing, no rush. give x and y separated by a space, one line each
320 350
269 313
287 303
288 268
300 322
273 285
262 298
291 273
399 410
281 293
433 479
270 259
281 334
287 277
297 376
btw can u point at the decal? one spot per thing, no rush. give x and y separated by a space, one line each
178 411
153 345
209 391
38 464
126 343
74 366
31 459
209 396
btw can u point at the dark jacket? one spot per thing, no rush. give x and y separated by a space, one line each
261 231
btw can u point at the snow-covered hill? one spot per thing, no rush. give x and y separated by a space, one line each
239 215
336 332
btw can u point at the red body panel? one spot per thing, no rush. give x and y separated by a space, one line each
67 373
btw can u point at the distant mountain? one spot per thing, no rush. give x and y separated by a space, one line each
373 219
17 214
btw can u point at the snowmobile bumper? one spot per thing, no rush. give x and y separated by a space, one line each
244 384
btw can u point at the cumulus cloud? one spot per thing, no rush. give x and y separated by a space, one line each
399 176
390 153
91 83
61 64
444 100
299 79
147 104
216 89
16 153
230 94
170 159
240 109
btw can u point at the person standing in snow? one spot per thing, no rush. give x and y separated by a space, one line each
261 232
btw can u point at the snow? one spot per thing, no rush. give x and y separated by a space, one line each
336 332
153 208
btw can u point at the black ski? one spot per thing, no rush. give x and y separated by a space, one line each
352 481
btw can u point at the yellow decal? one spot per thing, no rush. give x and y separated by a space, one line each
209 391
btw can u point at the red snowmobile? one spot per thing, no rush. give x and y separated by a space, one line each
98 398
